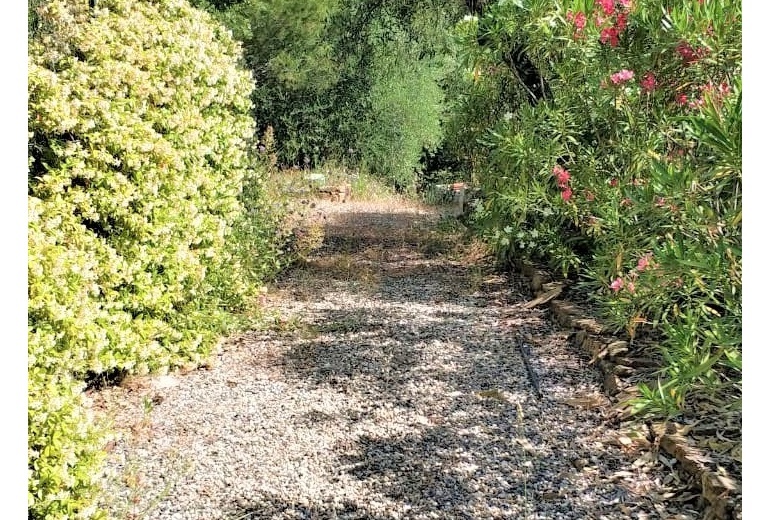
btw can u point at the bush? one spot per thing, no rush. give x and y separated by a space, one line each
139 120
616 157
404 119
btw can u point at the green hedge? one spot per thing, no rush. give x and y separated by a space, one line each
139 133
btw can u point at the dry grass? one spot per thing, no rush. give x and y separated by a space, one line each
304 184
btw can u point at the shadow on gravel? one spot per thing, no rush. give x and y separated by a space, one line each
383 352
358 232
271 507
460 472
423 473
475 440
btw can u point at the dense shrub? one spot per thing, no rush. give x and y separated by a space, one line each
404 118
140 122
607 136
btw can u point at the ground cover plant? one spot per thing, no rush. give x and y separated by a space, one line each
140 174
607 138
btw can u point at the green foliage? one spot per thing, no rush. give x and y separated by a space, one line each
607 140
65 448
140 124
340 80
404 118
287 46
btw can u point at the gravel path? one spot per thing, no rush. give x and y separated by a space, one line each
391 386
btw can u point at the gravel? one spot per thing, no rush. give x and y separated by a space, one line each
390 386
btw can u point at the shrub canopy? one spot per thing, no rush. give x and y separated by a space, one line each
139 131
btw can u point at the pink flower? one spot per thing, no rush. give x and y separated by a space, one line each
688 54
625 3
609 35
644 262
631 287
622 22
579 19
681 100
562 176
685 51
648 82
608 6
617 284
566 194
622 76
613 182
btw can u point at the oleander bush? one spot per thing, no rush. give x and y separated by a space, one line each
606 136
140 177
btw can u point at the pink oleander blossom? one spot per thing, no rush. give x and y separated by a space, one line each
609 35
688 54
579 19
644 262
617 284
608 6
622 76
685 51
566 194
648 82
562 176
622 22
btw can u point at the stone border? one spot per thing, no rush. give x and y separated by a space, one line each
609 353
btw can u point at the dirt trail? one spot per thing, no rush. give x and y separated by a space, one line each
391 385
